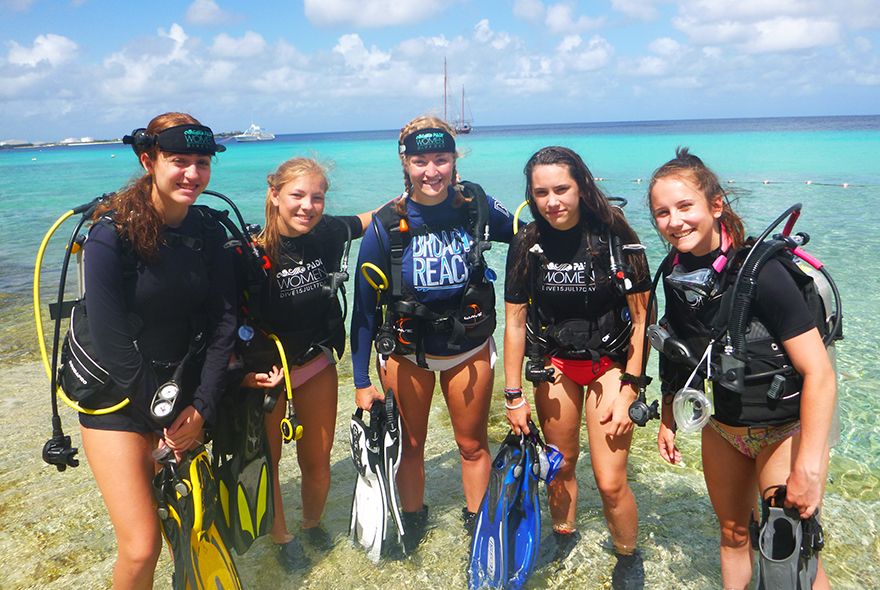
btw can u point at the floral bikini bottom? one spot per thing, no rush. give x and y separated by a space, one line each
754 439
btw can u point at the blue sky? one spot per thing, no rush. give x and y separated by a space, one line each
72 68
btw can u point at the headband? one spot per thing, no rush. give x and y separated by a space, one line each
181 139
426 141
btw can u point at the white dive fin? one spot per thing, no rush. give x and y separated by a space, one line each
391 459
368 507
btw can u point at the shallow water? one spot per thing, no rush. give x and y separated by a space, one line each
56 530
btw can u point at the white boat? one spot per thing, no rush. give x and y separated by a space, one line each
254 133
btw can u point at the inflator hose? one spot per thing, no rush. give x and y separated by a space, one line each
745 291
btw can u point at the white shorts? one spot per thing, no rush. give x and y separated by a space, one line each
444 363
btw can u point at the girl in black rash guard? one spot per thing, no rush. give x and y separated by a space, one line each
154 276
750 443
561 297
304 246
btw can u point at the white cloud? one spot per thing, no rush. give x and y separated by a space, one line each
369 13
206 12
352 49
54 49
561 19
483 33
650 66
530 10
419 46
583 57
637 9
151 68
749 10
665 46
248 45
791 34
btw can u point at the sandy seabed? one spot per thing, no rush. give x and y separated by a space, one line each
56 533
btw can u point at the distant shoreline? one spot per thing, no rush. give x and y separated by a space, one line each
758 123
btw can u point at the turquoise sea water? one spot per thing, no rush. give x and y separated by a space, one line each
767 163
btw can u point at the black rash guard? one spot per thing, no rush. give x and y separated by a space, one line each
143 316
296 309
565 291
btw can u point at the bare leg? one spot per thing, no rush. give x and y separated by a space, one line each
315 405
559 407
413 389
272 421
609 455
730 480
123 469
467 389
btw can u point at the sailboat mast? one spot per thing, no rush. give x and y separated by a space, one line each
462 104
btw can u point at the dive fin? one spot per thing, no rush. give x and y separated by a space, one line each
786 559
391 459
525 538
368 525
243 464
187 496
488 566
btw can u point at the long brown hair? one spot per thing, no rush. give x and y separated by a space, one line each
688 166
426 122
132 207
270 238
597 214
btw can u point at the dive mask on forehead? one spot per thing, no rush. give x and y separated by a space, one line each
181 139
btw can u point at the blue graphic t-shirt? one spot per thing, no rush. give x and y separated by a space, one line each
435 270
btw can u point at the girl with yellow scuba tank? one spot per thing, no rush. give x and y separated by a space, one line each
575 306
439 312
754 440
305 248
154 283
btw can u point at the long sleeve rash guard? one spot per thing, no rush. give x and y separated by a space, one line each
140 313
434 270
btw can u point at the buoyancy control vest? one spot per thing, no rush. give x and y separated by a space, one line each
606 333
252 275
81 376
406 320
747 359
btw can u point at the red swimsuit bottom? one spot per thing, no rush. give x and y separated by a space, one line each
582 372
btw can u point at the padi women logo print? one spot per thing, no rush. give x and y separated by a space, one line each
569 277
439 260
301 279
198 139
429 141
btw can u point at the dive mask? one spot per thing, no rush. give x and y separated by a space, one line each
695 285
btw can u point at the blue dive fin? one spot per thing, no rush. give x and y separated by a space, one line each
526 536
489 549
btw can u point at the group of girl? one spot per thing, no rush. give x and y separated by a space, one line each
572 316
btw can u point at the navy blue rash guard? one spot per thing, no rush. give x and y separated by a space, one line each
147 314
434 270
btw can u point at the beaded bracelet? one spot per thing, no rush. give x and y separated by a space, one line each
521 403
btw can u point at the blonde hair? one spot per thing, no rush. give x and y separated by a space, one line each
426 122
270 238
